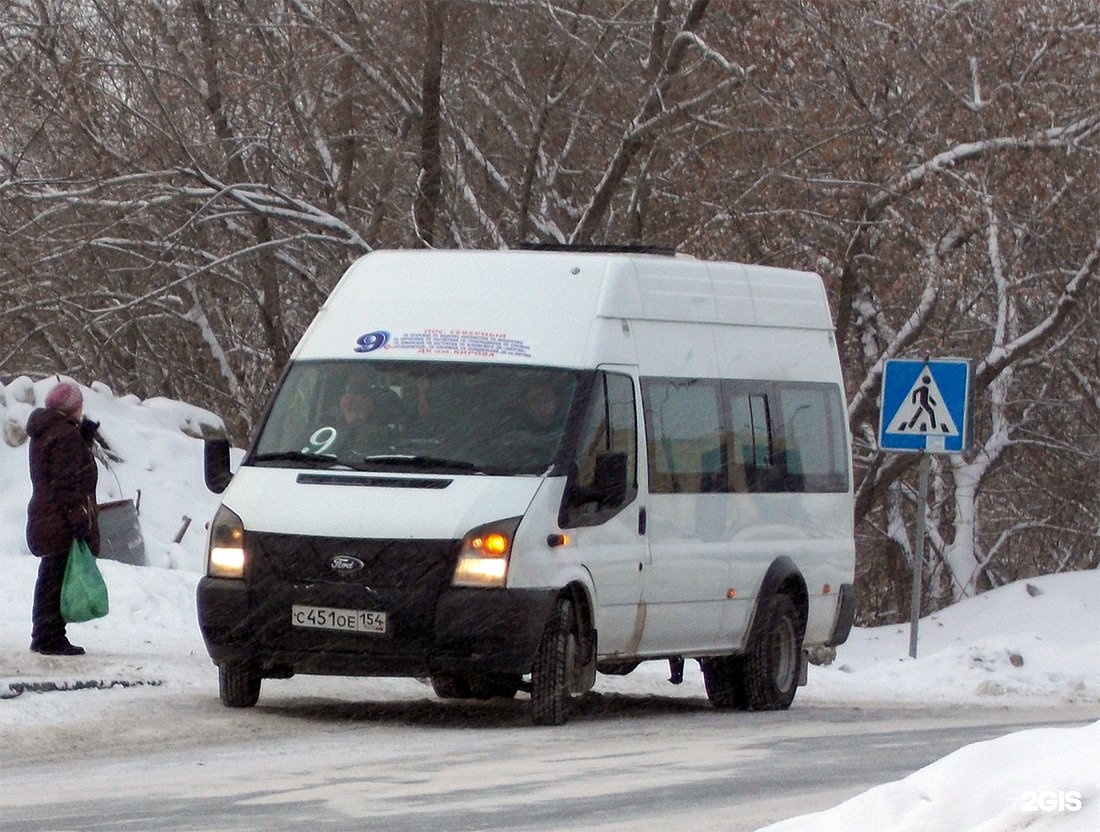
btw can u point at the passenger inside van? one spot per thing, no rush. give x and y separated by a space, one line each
535 429
543 408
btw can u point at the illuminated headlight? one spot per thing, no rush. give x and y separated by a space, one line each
483 560
226 555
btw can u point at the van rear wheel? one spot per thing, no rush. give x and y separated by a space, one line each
771 666
724 678
239 684
554 669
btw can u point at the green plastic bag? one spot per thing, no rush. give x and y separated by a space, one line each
83 592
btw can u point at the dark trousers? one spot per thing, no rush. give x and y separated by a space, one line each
48 627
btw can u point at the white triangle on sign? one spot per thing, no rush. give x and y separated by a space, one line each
923 412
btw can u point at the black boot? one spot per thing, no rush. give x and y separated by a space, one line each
57 648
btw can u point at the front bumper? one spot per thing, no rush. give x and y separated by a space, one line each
467 631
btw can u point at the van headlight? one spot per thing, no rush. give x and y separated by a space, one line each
483 560
226 557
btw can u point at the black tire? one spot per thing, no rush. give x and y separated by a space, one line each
554 669
724 678
239 684
771 667
494 685
447 686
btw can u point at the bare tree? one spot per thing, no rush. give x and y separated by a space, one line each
182 183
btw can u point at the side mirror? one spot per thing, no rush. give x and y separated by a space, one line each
610 484
216 464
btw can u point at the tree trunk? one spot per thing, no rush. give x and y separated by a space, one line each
430 182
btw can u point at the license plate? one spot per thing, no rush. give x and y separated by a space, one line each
348 621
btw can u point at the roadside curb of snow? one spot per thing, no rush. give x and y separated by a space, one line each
15 689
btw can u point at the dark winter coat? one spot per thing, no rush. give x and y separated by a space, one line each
63 476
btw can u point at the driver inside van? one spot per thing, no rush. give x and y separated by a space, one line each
366 417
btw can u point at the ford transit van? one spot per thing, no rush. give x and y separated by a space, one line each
509 471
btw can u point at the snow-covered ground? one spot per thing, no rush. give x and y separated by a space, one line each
1028 644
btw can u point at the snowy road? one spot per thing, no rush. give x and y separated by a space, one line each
415 763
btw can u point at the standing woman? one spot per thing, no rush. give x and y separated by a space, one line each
62 506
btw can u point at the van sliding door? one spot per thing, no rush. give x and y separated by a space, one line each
685 587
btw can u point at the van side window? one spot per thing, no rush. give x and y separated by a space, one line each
608 437
812 423
684 436
786 437
752 430
743 436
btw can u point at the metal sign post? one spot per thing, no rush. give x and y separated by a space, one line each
918 554
925 409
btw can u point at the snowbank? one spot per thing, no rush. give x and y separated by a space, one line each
158 445
1031 640
1042 779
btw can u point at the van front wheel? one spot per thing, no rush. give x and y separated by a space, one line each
554 669
239 684
770 669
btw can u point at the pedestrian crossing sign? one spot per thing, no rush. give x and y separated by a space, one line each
925 405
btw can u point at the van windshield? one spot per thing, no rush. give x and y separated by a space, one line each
418 416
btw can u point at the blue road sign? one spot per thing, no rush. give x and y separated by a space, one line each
925 406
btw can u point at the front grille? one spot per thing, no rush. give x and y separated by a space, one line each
397 564
403 578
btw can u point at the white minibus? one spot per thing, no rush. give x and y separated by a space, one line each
509 471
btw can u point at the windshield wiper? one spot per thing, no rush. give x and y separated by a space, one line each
420 463
313 459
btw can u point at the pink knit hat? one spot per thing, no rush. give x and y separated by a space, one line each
65 397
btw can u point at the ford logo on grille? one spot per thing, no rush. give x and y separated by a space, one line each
345 564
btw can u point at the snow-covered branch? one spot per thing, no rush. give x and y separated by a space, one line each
1056 137
1027 342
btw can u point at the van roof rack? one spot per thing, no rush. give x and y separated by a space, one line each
666 251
